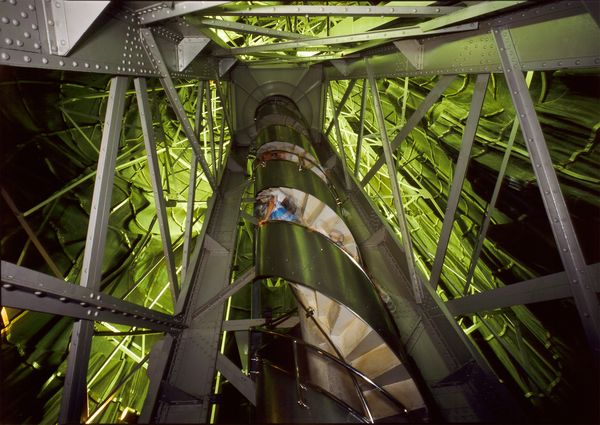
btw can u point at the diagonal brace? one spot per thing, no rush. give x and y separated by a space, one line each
167 83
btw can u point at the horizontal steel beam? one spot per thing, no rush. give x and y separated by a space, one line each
395 33
471 12
249 29
545 288
167 10
286 10
246 324
31 290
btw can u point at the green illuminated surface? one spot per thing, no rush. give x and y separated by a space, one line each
50 147
516 341
49 171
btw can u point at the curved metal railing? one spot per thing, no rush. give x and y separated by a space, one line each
324 354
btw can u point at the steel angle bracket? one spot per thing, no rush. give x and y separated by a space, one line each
413 51
188 48
225 65
68 20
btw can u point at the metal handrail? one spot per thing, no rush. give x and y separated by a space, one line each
331 357
318 389
310 314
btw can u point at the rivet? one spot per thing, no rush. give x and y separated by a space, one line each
24 15
95 314
565 250
51 22
7 286
57 4
8 41
5 56
87 65
36 46
34 27
38 293
26 35
19 43
27 59
15 23
61 63
83 304
75 64
31 7
89 312
98 307
63 299
13 2
63 42
4 20
97 66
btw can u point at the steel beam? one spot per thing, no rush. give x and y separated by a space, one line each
167 83
340 106
340 141
28 289
302 10
460 172
185 370
32 236
249 29
141 91
234 375
491 207
396 33
226 292
414 119
211 128
554 202
468 13
164 10
74 393
546 288
189 219
417 285
361 130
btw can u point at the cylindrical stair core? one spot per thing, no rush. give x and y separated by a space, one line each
302 238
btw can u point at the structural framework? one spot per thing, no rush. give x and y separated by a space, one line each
299 211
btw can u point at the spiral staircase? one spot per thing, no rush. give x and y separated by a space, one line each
341 313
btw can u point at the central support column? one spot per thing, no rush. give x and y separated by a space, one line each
183 369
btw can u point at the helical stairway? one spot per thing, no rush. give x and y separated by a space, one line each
347 364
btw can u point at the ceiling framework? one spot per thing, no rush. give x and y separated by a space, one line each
435 127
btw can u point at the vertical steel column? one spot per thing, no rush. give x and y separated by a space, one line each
74 390
396 195
459 176
562 227
199 103
361 130
141 91
167 83
339 140
211 129
189 219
